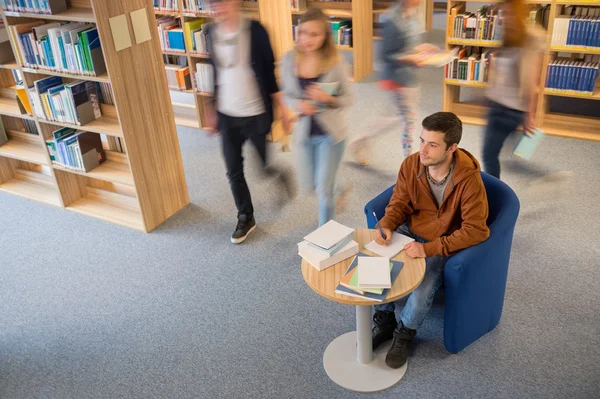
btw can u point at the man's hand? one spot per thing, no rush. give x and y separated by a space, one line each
415 250
383 240
286 120
212 121
307 108
314 92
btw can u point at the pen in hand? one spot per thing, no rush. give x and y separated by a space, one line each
380 230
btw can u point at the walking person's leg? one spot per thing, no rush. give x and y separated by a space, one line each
328 158
501 123
406 99
232 140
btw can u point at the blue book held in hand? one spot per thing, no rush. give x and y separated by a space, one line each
527 145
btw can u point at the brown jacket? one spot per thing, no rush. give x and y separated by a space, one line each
460 222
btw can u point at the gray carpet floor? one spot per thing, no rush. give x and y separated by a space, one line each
92 310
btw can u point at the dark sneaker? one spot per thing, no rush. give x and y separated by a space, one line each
245 226
384 324
398 353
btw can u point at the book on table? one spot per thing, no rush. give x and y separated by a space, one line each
328 245
394 247
348 284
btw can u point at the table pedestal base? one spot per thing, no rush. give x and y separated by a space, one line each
341 365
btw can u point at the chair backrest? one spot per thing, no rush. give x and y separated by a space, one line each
502 200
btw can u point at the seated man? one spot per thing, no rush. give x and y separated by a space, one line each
440 201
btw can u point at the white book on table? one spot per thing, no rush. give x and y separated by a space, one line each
329 234
320 260
394 247
374 272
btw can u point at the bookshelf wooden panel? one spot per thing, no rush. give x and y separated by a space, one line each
139 189
556 124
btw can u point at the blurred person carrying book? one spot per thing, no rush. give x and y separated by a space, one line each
513 82
245 94
316 87
401 54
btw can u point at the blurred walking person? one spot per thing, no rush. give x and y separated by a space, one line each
513 81
310 72
245 94
402 46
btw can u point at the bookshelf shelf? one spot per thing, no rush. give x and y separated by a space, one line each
204 94
12 65
110 171
111 207
24 151
174 52
570 126
9 107
171 13
474 43
344 48
102 125
454 82
32 185
187 121
575 49
102 78
72 14
199 55
573 94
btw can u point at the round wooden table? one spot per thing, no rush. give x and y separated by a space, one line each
349 359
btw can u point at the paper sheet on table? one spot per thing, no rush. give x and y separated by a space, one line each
393 248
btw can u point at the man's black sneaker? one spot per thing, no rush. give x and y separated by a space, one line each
398 353
245 226
384 324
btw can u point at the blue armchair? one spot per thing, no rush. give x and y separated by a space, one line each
474 278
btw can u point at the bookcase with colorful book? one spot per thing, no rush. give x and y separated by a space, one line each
570 67
79 127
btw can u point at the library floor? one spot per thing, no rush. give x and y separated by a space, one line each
93 310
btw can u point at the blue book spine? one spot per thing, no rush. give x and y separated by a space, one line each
587 31
571 77
595 72
576 74
586 78
570 32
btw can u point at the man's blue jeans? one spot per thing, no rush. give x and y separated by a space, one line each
420 300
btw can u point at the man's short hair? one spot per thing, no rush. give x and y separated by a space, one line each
447 123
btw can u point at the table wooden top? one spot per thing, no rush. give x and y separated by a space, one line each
326 281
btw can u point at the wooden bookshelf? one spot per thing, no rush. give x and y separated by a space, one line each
563 125
138 189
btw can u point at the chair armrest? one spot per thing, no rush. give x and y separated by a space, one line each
378 205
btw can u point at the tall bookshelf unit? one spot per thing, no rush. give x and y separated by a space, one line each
139 189
552 123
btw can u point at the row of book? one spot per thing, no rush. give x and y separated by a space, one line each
341 31
174 37
298 5
197 6
579 29
178 77
205 78
75 102
106 94
570 75
485 24
35 6
72 149
471 64
166 5
71 48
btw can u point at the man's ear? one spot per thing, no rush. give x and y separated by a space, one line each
452 148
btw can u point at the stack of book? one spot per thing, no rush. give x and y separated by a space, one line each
485 24
166 5
80 151
328 245
193 33
198 41
74 102
107 94
178 77
72 47
35 6
578 26
471 64
369 277
205 78
170 34
570 75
